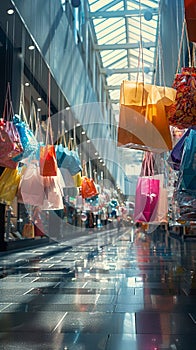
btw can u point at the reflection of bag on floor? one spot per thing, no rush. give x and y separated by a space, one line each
38 224
38 231
28 230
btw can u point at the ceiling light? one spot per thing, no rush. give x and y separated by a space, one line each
88 141
39 99
10 11
75 3
27 84
31 47
83 132
39 109
148 15
78 124
146 70
96 153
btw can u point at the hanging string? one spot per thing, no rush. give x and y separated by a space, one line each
184 31
140 56
49 124
159 64
7 62
193 55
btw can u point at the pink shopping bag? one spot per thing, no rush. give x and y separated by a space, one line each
146 199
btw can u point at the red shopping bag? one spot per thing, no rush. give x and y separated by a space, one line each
48 162
88 188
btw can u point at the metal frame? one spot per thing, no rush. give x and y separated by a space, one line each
122 28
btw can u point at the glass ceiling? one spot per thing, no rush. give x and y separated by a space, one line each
126 37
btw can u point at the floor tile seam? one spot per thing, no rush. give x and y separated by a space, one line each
30 259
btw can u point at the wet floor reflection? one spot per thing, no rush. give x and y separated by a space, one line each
135 292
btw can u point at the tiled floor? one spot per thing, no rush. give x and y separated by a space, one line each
100 292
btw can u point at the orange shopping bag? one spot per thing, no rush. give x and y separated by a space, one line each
143 122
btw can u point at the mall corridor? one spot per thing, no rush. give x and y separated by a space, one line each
100 291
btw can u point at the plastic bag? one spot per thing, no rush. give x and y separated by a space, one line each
9 182
88 188
182 113
28 140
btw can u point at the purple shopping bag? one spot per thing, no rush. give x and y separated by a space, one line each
175 157
146 199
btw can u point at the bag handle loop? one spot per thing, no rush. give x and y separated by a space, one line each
148 164
8 107
49 124
184 32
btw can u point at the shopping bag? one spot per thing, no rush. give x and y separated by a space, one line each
79 201
77 179
186 200
175 156
187 174
146 199
9 183
53 199
68 155
72 162
27 137
48 162
28 230
143 122
39 229
68 158
161 215
31 187
88 188
53 192
182 113
67 178
190 17
10 143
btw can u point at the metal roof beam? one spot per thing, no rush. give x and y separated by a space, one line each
125 46
112 87
109 72
123 14
115 101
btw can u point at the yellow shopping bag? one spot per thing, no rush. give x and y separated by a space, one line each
77 179
9 182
